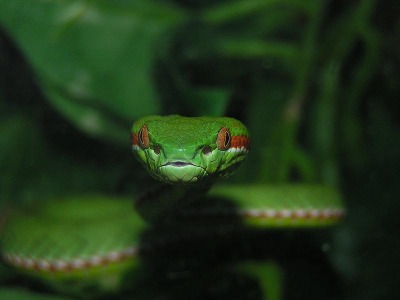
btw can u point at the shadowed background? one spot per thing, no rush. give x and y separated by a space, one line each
316 82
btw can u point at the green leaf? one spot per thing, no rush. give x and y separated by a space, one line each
20 294
94 59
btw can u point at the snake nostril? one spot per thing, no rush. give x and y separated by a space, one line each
156 149
206 150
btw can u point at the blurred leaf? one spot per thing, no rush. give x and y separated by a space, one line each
207 102
16 155
93 59
35 171
20 294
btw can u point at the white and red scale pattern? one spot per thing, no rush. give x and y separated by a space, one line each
294 214
239 143
275 214
70 265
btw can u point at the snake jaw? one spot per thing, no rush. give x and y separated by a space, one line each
181 173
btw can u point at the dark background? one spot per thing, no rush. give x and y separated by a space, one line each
316 82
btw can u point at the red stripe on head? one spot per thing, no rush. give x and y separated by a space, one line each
134 139
240 141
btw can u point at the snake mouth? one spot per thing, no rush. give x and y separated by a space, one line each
180 172
178 164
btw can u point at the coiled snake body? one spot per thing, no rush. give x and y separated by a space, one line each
97 237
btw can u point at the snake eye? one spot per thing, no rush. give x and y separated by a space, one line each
156 149
144 140
206 150
223 139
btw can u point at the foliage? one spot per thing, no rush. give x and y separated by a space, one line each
315 81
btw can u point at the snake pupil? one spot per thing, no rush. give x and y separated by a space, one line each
227 139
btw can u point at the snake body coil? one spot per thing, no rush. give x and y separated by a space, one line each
94 237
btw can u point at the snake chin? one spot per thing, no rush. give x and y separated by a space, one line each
179 172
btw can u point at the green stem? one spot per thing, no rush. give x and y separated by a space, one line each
257 49
232 11
351 125
269 276
324 133
293 111
346 33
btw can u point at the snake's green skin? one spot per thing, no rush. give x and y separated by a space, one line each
97 238
88 240
181 150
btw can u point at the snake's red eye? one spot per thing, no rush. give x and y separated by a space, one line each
144 140
223 139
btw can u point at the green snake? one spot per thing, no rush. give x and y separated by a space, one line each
97 237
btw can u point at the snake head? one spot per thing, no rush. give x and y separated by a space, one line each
184 150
